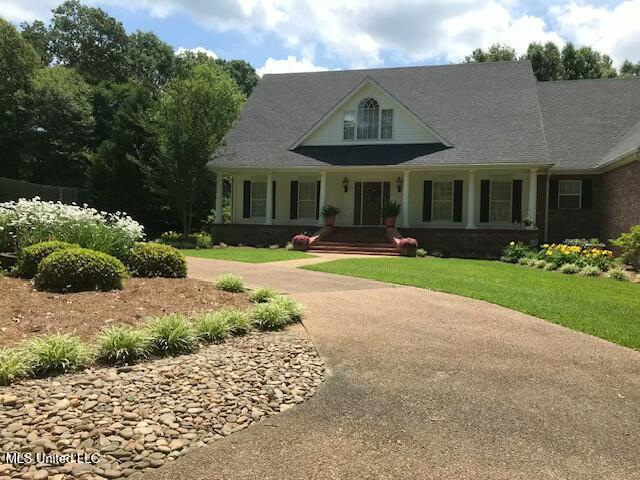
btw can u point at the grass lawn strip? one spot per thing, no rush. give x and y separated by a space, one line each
601 307
247 254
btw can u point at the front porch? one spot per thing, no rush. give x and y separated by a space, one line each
465 203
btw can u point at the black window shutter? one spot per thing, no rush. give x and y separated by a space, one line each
318 199
553 194
587 194
293 210
457 200
426 200
273 200
246 199
485 186
357 191
516 201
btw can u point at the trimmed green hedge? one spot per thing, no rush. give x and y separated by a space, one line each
79 270
30 257
156 260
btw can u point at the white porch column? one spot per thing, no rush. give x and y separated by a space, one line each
219 199
471 200
405 199
533 194
323 195
269 212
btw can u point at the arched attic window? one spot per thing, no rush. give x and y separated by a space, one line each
368 115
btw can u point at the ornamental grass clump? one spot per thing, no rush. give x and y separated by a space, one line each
171 335
262 295
119 345
55 354
26 222
293 308
156 260
550 266
270 316
569 268
617 274
229 282
590 271
212 327
239 321
540 264
30 257
421 252
13 365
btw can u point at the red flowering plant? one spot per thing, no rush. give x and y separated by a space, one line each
301 242
407 246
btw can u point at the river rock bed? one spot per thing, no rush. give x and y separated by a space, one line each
137 418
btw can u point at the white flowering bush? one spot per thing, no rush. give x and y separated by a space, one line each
26 222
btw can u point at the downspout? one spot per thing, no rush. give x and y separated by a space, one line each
546 210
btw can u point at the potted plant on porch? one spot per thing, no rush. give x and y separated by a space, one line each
329 213
390 210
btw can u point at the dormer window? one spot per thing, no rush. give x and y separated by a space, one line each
369 123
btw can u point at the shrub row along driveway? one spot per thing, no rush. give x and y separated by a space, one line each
430 385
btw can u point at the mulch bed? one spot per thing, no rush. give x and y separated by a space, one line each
26 312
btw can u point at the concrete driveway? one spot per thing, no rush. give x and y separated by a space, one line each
425 385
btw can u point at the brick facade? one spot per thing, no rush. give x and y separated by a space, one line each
620 200
259 235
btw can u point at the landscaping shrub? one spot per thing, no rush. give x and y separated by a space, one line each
289 246
590 271
78 270
561 254
119 345
270 316
212 327
629 244
27 222
262 295
293 308
514 252
13 365
584 243
539 263
171 335
192 240
58 353
238 320
156 260
617 274
550 266
301 242
569 268
525 261
421 252
230 283
30 257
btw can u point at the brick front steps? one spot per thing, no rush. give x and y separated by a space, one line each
367 241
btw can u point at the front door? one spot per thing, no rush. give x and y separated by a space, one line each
369 197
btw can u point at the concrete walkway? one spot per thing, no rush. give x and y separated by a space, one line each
425 385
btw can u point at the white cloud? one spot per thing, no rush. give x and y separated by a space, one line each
615 31
18 11
289 65
209 53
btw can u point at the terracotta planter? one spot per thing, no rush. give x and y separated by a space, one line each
330 221
390 222
408 251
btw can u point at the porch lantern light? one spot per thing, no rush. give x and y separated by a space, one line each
399 184
345 184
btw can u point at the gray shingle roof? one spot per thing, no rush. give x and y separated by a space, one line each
489 112
588 122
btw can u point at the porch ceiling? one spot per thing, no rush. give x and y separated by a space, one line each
365 155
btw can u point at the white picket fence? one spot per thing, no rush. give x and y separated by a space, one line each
14 189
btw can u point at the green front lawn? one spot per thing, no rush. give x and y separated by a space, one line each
247 254
599 306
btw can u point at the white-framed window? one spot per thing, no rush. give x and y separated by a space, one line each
442 201
386 128
500 205
258 199
349 125
570 194
307 199
368 118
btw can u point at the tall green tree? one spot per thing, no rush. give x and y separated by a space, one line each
191 118
18 65
62 127
585 62
150 60
546 60
39 37
496 53
630 69
89 40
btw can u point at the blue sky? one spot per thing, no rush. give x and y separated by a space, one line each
303 35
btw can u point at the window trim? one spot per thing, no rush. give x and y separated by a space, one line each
355 124
251 198
433 201
500 222
315 198
382 110
579 194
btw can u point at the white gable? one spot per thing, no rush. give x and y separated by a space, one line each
406 127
